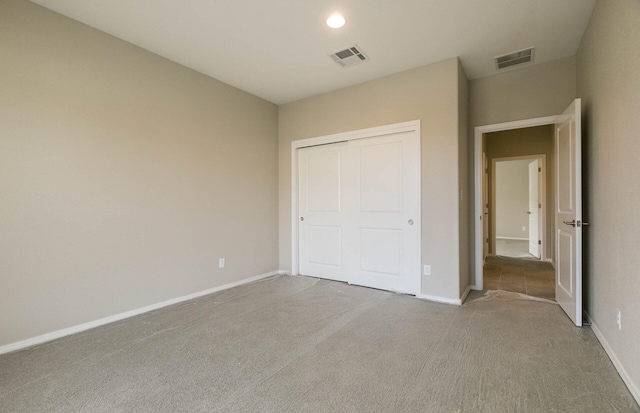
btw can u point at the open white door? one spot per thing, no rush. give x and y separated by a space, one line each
569 213
534 210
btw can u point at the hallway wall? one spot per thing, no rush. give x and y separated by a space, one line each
512 198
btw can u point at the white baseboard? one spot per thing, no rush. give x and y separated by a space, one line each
106 320
633 388
514 238
452 301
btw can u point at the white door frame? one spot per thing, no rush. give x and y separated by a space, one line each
479 132
404 127
542 198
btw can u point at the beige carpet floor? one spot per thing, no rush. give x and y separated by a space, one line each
298 344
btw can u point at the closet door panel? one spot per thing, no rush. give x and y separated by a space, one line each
384 212
321 209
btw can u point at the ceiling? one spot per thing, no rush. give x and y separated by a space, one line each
279 49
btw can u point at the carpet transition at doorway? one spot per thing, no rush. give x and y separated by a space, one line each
298 344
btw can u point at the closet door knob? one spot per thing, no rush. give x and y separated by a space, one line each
410 222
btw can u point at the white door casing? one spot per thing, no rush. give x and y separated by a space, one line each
534 208
569 212
379 195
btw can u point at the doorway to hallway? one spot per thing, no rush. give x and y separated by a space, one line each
567 226
519 194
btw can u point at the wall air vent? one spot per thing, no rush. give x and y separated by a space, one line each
349 57
514 58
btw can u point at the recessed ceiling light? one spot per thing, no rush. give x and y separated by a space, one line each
336 21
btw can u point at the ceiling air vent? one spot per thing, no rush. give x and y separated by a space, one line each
349 57
514 58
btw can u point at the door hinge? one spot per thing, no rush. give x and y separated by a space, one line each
539 169
486 170
539 242
539 205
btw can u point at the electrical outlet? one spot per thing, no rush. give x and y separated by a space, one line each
427 270
619 320
221 263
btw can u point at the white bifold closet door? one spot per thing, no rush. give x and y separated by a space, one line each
359 204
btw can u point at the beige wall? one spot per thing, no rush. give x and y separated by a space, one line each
429 94
464 233
124 176
512 198
521 142
609 83
531 92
